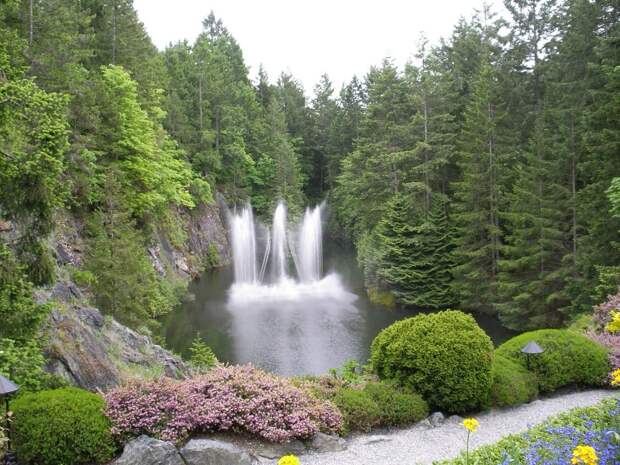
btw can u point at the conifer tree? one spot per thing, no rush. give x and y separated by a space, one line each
478 195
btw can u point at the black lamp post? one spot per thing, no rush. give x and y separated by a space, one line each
7 387
531 348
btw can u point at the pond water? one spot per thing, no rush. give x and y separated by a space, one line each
293 328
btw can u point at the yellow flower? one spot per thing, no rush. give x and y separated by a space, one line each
289 460
615 377
614 325
585 455
471 424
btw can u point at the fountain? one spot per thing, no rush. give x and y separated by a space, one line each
243 235
305 247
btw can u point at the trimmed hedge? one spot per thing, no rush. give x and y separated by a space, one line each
397 407
444 356
569 359
512 384
359 411
61 427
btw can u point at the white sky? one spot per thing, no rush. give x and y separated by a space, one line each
309 38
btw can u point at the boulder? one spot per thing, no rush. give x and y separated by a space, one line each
327 443
148 451
214 452
436 419
274 451
455 419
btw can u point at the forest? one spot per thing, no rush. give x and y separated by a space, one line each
483 175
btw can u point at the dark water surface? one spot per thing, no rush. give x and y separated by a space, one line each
293 329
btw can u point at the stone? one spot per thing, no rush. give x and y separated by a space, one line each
436 419
455 419
274 451
425 423
148 451
322 442
214 452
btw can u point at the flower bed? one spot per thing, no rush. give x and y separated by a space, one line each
242 399
564 440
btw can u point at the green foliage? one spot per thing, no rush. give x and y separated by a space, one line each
569 359
61 427
416 257
212 259
20 315
397 407
153 172
126 285
202 357
359 411
23 364
445 357
512 383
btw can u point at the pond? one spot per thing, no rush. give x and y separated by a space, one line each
294 328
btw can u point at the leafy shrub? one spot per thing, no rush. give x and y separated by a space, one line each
553 441
321 387
202 356
443 356
61 427
396 407
568 358
23 364
512 384
19 313
359 411
236 398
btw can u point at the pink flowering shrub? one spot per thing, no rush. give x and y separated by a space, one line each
242 399
602 312
612 342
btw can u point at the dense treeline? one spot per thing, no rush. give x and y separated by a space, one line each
480 175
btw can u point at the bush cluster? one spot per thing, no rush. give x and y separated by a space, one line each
568 358
236 398
359 411
445 357
61 427
396 406
512 384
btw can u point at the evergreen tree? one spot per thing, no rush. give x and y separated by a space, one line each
478 196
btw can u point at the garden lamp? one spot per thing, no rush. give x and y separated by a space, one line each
531 348
7 387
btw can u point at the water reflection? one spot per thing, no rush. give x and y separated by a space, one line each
296 328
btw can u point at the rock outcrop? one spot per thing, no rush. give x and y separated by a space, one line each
148 451
214 452
96 352
222 450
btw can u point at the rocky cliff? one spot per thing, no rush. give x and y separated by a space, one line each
93 351
96 352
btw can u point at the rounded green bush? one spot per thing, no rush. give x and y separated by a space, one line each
445 357
61 427
569 359
397 407
359 411
512 384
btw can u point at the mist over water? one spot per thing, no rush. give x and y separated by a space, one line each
290 304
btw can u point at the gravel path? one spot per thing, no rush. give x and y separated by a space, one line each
421 444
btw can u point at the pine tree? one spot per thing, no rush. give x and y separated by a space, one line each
478 201
398 242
